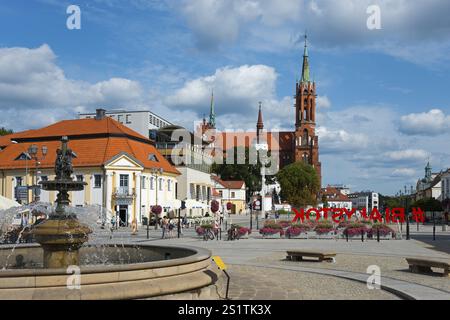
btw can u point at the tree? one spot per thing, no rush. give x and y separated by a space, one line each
250 173
4 131
429 205
299 184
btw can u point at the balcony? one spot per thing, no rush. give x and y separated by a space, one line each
124 195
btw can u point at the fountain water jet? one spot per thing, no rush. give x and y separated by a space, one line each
62 235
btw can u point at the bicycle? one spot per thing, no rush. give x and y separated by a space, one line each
208 235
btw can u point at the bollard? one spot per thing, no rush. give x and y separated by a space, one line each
378 234
434 227
346 235
362 236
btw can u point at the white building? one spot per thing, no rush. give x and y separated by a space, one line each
368 200
445 185
233 192
143 122
336 198
195 185
124 172
429 187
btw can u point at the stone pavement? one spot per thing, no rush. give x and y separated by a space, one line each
259 271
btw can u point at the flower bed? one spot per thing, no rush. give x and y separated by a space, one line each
284 224
323 228
355 229
271 229
243 232
203 228
295 231
385 231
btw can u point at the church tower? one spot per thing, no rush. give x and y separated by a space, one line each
306 140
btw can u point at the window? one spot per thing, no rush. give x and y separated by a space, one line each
123 180
143 183
152 157
161 181
44 178
120 118
152 183
80 178
97 181
128 118
19 181
151 119
233 195
169 185
23 156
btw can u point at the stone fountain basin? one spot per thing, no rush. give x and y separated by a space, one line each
135 272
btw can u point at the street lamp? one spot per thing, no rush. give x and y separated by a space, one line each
156 172
33 151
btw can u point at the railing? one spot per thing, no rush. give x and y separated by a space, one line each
124 192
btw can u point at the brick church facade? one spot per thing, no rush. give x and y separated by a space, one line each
292 146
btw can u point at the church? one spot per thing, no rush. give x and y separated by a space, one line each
291 146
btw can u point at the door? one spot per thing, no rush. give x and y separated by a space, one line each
123 214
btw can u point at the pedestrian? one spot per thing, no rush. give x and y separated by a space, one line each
164 226
216 229
221 218
171 225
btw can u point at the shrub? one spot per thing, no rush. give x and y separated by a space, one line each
323 228
297 229
384 230
241 230
356 229
284 223
271 231
272 225
202 229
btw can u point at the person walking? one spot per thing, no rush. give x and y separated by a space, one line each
164 227
216 229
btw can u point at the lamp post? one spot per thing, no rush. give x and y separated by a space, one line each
407 216
156 172
33 151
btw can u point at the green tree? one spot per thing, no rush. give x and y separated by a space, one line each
299 184
429 205
4 131
250 173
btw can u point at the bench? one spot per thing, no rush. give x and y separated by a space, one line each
417 265
295 255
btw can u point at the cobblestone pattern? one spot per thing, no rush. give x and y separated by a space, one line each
253 283
393 267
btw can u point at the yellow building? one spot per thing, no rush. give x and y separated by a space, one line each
124 172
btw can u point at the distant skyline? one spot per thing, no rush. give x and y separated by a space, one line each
383 94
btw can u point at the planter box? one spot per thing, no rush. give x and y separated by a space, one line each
245 236
271 236
329 235
300 236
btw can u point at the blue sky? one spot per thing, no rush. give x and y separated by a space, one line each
383 94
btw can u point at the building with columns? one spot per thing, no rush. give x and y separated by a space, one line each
124 172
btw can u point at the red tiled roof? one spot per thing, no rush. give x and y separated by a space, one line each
229 184
94 146
82 127
333 194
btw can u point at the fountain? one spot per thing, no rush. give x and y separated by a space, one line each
67 264
62 235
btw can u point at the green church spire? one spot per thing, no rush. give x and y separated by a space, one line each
212 113
305 70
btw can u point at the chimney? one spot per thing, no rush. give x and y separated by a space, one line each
100 114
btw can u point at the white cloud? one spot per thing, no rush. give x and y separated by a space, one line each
323 102
237 91
407 155
431 123
271 25
404 172
32 83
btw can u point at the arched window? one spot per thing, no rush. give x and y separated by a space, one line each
305 158
305 138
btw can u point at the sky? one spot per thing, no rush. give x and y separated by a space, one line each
383 94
